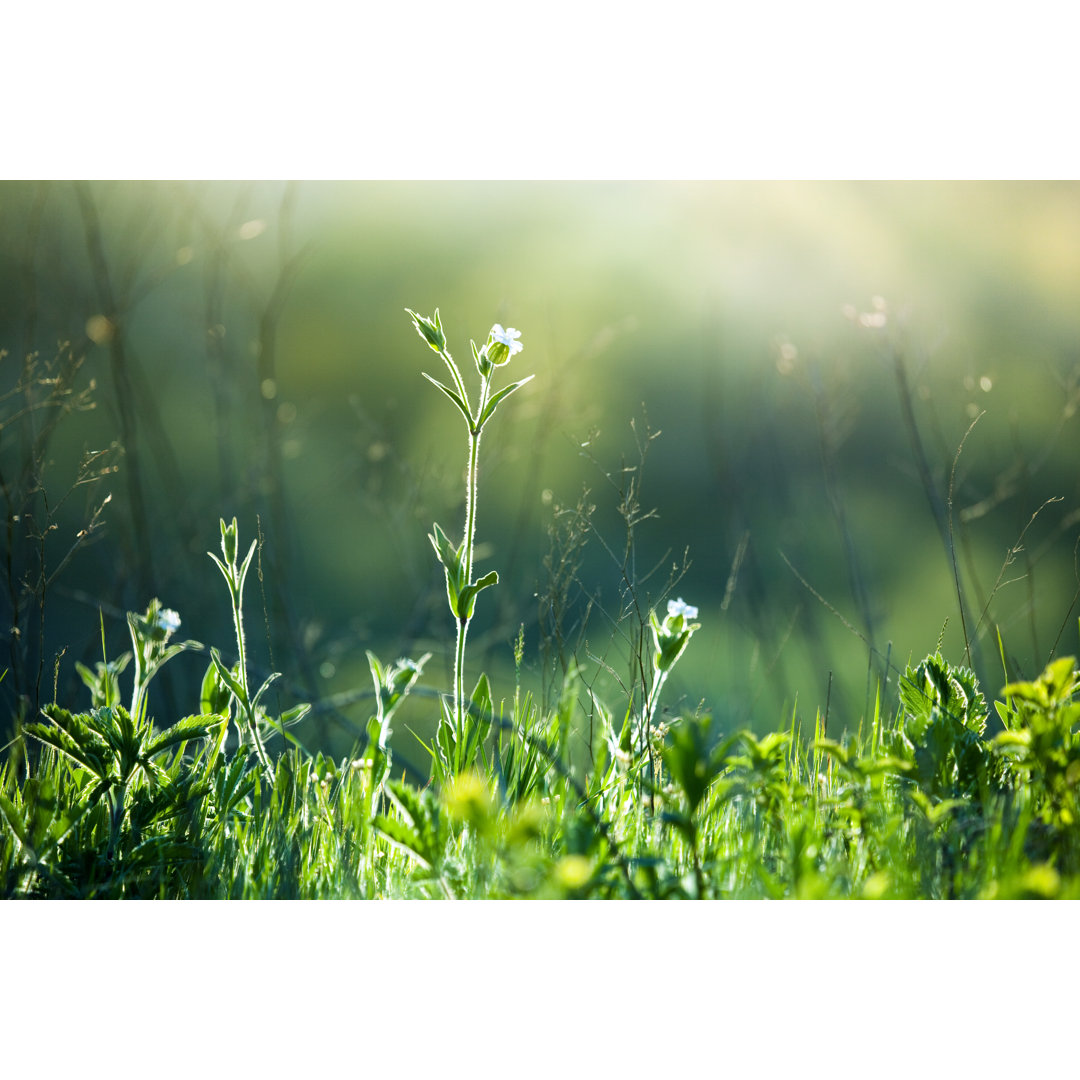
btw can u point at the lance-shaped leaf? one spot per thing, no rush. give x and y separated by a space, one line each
483 364
215 697
467 597
228 678
455 397
481 703
451 559
295 714
262 689
495 398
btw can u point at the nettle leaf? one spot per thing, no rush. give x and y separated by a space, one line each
952 691
401 836
1053 687
70 734
191 727
10 814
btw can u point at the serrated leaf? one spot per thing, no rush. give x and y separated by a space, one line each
82 745
401 836
14 820
191 727
407 800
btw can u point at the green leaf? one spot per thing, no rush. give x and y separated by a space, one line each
42 805
833 749
295 714
215 697
451 559
401 836
71 735
481 701
228 678
14 820
494 400
244 567
191 727
467 596
262 689
452 395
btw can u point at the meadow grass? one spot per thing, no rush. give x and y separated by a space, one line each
103 800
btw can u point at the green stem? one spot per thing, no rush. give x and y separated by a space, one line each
459 681
474 476
471 486
654 698
238 620
650 708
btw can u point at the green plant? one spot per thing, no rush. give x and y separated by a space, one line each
942 722
235 680
458 743
1041 742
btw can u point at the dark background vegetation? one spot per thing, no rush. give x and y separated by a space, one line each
808 356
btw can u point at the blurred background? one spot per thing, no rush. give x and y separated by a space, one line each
747 394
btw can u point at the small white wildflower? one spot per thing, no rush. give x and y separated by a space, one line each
168 620
508 338
677 607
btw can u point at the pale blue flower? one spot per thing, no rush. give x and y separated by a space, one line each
507 337
677 607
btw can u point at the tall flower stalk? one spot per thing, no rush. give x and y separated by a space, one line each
457 561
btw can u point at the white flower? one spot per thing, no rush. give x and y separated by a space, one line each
677 607
168 620
507 337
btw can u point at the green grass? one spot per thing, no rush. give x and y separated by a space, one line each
597 792
920 803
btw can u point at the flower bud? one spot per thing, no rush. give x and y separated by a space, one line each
430 330
228 542
480 357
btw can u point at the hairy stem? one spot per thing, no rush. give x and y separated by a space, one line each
471 485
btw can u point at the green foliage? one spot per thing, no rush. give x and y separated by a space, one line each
943 719
108 802
1040 740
